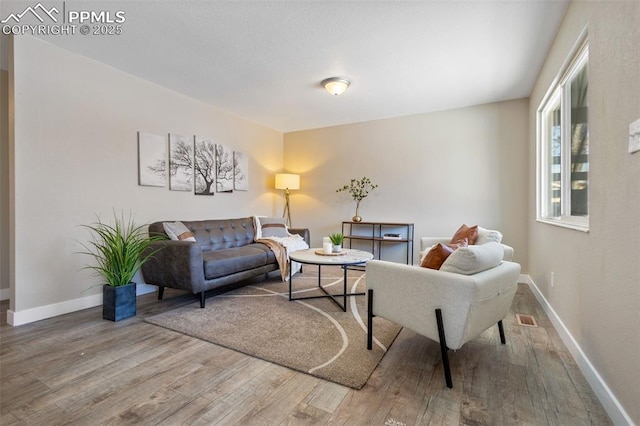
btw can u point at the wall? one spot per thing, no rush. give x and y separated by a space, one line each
4 185
437 170
597 274
76 124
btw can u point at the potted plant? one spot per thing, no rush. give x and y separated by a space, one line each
336 240
359 189
118 251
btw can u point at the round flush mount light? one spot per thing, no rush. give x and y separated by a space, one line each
336 85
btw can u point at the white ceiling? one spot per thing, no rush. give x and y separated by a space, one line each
264 60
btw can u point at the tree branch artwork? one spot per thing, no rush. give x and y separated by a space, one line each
152 151
180 163
205 166
199 165
240 171
224 169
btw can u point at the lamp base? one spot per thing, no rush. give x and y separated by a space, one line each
286 213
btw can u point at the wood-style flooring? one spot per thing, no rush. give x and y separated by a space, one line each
78 369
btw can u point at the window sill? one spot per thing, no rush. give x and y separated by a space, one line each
565 224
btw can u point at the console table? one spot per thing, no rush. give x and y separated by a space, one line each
380 234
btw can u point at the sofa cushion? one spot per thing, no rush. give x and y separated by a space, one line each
488 235
470 233
222 233
178 231
473 259
219 263
271 227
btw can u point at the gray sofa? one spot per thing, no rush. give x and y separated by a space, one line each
224 253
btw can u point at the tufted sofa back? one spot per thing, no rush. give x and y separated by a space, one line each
216 234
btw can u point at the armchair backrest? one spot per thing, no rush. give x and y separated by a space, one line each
427 242
409 295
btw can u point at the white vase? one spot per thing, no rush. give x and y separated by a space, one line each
337 248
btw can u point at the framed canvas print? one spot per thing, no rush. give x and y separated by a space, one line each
152 160
180 163
204 165
240 171
224 168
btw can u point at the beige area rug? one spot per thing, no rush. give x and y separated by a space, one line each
312 336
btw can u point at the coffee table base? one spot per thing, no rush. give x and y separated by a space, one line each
344 294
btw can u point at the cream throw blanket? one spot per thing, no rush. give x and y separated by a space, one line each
281 247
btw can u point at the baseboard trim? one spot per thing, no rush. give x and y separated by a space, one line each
604 394
49 311
525 279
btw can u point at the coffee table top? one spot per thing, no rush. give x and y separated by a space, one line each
351 257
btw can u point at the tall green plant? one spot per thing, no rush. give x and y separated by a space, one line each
119 249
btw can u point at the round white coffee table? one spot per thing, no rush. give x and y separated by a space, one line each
348 257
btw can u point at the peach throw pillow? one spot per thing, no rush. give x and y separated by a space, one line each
439 253
436 256
470 233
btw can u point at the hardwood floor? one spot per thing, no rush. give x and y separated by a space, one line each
78 369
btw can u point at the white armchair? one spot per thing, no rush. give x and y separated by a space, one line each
449 308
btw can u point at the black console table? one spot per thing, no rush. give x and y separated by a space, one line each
380 234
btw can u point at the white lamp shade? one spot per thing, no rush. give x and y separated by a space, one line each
287 181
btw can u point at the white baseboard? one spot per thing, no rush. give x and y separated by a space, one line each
48 311
608 400
145 288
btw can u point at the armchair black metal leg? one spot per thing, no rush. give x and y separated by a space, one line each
369 319
160 292
443 349
501 329
202 299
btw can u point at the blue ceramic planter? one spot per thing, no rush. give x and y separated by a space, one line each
118 303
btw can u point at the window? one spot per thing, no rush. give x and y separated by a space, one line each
563 146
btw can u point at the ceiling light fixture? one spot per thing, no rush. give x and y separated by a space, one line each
336 85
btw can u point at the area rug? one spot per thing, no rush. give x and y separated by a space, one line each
312 336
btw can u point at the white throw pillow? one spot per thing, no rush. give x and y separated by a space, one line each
488 235
270 227
178 231
473 259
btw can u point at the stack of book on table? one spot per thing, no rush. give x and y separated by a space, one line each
390 236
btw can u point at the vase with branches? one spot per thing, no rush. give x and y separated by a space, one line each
358 189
